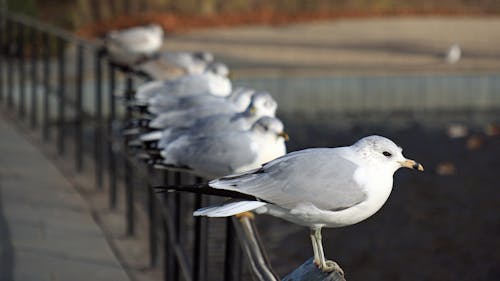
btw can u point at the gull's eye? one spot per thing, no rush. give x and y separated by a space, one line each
386 153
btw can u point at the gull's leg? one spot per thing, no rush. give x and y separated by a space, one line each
324 265
315 247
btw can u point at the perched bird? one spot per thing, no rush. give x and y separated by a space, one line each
453 54
132 45
168 65
240 98
317 187
213 81
262 104
226 153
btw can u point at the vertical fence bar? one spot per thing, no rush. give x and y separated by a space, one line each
34 77
9 26
200 249
153 231
78 109
3 57
111 140
177 215
232 260
129 188
22 74
98 121
61 102
168 253
46 86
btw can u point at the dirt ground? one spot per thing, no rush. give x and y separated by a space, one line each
351 46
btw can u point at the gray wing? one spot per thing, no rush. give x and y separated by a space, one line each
184 118
213 156
320 176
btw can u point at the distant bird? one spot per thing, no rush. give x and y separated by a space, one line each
262 105
130 46
185 118
453 54
213 81
240 97
228 152
317 187
169 65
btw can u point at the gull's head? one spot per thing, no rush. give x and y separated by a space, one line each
262 104
384 152
204 56
241 97
155 30
218 68
270 126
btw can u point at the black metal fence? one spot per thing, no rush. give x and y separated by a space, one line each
66 89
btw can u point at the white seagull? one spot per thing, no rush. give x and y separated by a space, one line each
317 187
226 153
214 81
262 104
129 46
453 54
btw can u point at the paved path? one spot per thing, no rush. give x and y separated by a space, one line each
46 231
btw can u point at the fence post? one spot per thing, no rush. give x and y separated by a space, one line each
111 139
34 77
153 231
98 120
20 54
46 86
232 260
2 53
10 58
200 249
129 187
78 110
168 252
61 101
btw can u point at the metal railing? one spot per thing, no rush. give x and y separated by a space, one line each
70 93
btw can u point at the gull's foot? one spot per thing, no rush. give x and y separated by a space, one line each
329 266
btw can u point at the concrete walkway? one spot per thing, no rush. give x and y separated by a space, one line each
46 230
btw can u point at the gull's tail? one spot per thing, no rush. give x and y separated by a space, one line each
226 209
229 209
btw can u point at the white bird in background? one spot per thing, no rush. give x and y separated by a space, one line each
213 81
227 152
453 54
129 46
240 98
262 105
169 65
318 187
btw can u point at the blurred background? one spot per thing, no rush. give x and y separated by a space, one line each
424 73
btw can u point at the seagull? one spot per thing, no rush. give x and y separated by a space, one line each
213 81
262 104
129 46
240 98
226 153
453 54
169 65
316 187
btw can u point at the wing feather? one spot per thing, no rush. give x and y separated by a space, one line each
321 176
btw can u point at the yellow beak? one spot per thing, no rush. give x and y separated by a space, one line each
253 110
412 165
284 135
